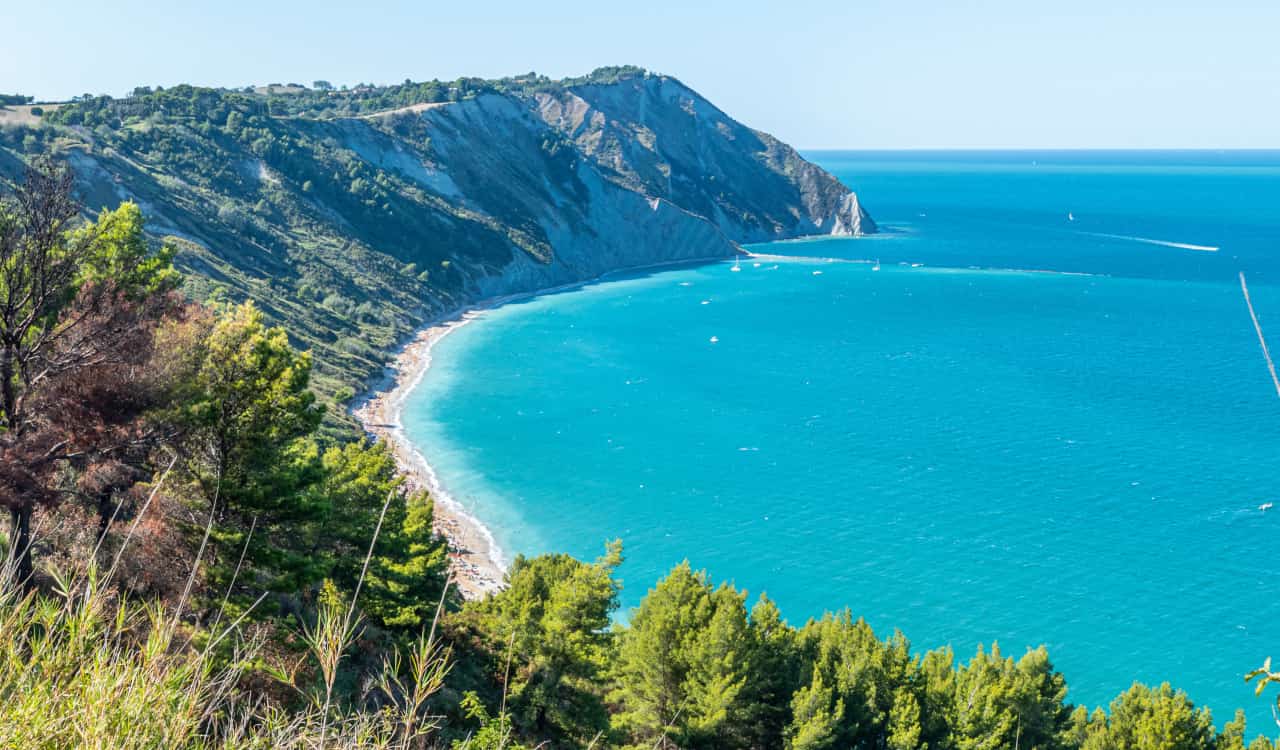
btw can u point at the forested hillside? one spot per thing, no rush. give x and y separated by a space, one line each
354 215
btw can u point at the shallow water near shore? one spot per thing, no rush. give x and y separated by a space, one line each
955 444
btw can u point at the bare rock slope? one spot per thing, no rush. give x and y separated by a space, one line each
602 177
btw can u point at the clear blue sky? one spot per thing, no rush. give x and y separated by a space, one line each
839 73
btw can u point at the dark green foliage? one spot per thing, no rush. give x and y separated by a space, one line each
547 636
999 702
861 691
284 515
776 668
293 100
693 670
8 99
404 583
245 420
408 586
683 665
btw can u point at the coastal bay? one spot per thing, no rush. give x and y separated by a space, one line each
950 430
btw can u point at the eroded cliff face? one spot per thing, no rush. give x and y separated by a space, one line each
659 137
600 178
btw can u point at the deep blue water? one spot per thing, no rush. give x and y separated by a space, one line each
960 450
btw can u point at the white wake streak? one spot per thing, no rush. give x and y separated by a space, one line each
1150 241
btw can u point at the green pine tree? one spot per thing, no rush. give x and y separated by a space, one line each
406 576
683 664
1003 703
552 624
123 256
865 676
817 713
1145 718
246 422
775 676
412 581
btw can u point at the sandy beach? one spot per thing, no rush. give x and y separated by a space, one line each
477 568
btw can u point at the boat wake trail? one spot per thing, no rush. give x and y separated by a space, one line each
1150 241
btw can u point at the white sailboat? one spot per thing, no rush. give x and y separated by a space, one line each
876 267
736 266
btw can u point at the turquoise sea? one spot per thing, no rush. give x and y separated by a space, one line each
1022 428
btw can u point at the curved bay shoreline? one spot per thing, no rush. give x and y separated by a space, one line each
476 561
473 556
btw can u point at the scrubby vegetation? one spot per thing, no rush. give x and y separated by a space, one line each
271 199
353 214
322 100
192 564
259 192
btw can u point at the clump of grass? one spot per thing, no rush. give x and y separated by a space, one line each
81 667
79 671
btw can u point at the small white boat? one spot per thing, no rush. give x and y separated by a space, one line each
715 339
817 273
876 267
1265 507
1071 216
736 266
